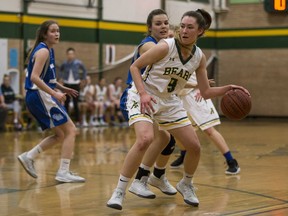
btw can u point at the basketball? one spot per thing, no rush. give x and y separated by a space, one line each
236 104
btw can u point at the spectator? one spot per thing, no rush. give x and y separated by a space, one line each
70 74
3 112
114 94
11 102
101 102
87 104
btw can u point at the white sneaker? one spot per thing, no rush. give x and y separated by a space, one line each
188 193
93 123
84 124
116 199
28 164
103 123
68 177
141 189
162 184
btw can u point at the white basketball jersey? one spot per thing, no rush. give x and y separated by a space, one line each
101 93
116 92
192 81
170 74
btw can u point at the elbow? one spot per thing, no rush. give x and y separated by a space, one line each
205 95
33 78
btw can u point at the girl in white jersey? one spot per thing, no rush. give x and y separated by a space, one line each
174 61
101 101
205 116
114 94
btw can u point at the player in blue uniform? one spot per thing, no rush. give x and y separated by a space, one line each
44 103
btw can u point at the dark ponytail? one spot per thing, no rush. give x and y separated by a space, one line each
206 16
203 18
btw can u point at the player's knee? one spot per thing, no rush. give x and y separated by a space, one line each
170 147
209 132
194 147
144 142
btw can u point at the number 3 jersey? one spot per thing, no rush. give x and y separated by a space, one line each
170 74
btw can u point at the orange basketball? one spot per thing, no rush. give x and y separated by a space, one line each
236 104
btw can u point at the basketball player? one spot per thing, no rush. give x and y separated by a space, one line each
158 179
205 117
44 103
173 62
157 26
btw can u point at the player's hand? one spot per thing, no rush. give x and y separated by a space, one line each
198 97
240 87
71 92
146 103
61 97
211 82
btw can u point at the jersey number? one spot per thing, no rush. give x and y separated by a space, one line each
172 85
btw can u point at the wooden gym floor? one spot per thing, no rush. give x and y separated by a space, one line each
259 145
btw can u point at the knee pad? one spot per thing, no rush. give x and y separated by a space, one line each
170 147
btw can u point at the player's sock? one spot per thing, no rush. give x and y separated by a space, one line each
143 170
228 156
158 172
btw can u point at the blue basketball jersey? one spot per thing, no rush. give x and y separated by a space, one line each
137 55
48 74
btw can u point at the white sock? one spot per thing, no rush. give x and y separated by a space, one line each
64 165
158 167
91 118
34 152
187 178
144 167
123 182
84 118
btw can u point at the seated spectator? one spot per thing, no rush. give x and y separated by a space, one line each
87 104
11 102
101 101
3 112
114 94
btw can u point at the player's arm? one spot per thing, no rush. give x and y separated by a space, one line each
204 85
151 56
145 47
40 58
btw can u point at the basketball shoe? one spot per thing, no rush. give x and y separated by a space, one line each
141 189
178 162
162 184
233 167
116 200
28 164
188 193
68 176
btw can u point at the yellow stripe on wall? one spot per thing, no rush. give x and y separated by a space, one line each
62 22
247 33
9 18
122 27
93 24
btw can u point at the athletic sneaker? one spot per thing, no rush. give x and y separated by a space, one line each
116 200
68 177
141 189
178 162
28 164
233 167
188 193
162 184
